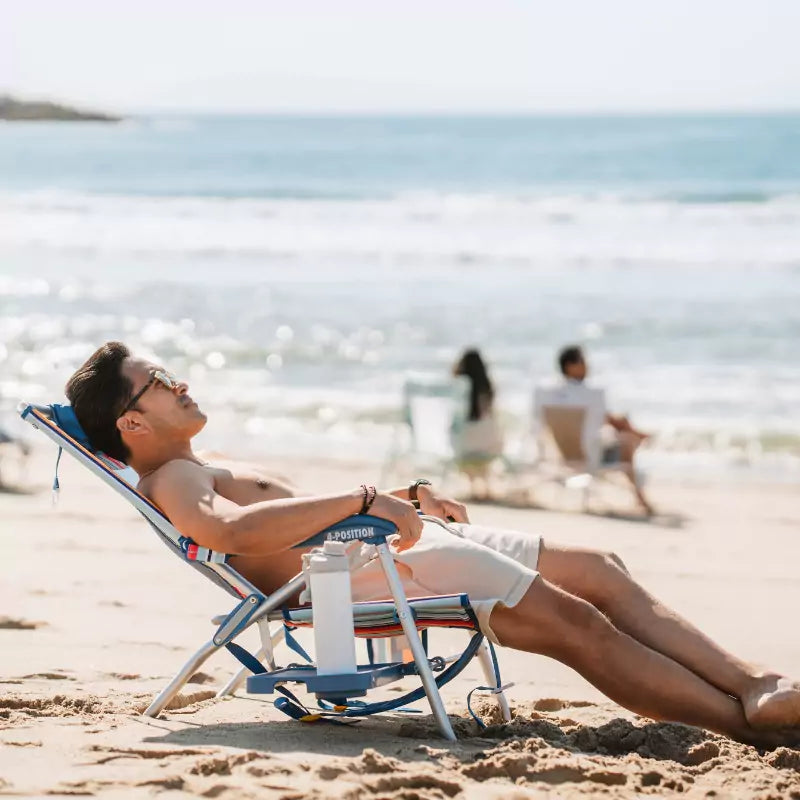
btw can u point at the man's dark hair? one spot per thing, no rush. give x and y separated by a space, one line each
572 354
98 392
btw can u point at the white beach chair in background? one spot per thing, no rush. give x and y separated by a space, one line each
398 616
12 447
433 412
567 426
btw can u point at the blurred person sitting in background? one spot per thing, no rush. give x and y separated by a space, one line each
621 439
479 440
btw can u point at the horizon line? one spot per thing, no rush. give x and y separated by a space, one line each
463 112
578 111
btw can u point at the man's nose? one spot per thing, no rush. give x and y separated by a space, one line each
182 387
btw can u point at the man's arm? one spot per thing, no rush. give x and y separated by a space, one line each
434 504
185 493
614 422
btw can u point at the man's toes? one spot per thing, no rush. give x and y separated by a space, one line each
775 703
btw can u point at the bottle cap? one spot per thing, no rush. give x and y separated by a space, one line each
334 548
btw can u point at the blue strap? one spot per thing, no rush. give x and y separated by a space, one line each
292 643
329 707
481 723
56 485
444 677
290 705
245 658
495 664
493 689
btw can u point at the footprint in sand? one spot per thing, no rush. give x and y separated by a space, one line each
555 704
16 624
48 676
201 677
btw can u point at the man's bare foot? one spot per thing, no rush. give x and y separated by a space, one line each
772 702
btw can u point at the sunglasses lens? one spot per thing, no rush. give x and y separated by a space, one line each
165 379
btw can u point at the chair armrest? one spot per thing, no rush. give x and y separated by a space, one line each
360 527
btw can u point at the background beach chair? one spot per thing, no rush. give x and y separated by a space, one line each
12 447
371 620
433 412
569 442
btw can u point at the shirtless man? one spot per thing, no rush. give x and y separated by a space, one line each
578 606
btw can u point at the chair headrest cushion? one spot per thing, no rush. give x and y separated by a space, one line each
65 418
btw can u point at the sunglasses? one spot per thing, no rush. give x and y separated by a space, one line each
161 376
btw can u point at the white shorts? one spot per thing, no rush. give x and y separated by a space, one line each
491 566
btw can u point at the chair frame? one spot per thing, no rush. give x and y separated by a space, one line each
456 392
582 472
254 607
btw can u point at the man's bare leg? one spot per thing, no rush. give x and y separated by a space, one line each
768 699
551 622
628 444
623 425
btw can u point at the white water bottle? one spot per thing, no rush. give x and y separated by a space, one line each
332 600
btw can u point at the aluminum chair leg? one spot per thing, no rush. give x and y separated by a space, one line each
275 600
178 682
485 657
409 628
380 650
239 678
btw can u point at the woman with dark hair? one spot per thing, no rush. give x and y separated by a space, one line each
478 440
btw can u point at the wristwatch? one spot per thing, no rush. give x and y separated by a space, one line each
412 490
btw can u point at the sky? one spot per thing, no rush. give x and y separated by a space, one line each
434 56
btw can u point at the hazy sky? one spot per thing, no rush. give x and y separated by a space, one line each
414 55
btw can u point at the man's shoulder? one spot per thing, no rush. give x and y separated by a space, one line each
570 392
568 385
175 471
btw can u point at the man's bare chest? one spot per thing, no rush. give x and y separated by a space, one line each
245 484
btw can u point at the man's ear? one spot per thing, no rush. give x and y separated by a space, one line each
130 424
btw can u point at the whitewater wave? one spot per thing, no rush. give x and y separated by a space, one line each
441 228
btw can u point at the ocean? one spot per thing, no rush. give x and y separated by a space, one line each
295 269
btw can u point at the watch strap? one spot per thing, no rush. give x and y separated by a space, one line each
412 490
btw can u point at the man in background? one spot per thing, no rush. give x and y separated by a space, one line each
620 440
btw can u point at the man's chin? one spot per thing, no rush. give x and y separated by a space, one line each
199 420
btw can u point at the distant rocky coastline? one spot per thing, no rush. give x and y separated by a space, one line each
15 110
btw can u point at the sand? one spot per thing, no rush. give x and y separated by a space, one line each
95 616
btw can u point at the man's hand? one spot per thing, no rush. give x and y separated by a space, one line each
403 514
442 507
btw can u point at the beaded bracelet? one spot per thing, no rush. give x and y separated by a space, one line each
370 493
373 494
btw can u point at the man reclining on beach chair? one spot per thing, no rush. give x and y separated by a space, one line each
578 606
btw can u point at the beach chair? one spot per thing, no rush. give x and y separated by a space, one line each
574 425
336 694
433 412
12 444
